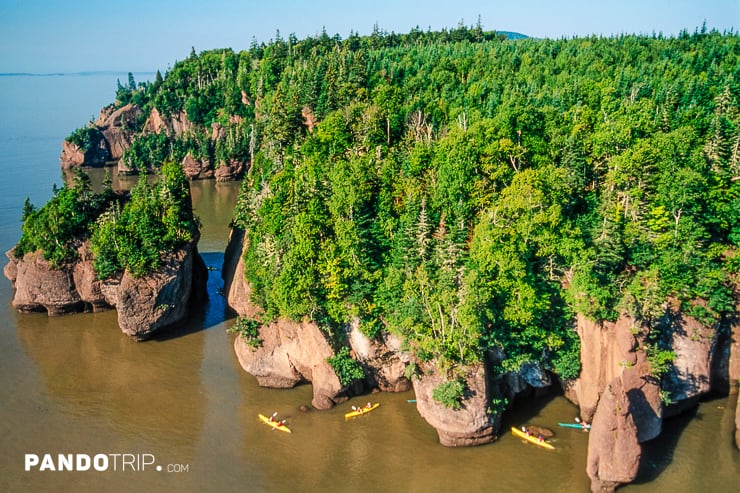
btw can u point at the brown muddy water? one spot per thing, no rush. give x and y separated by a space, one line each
77 385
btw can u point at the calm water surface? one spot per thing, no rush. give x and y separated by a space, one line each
76 384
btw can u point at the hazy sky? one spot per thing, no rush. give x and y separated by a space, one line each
43 36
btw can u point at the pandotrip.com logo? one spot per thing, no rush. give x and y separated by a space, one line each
119 462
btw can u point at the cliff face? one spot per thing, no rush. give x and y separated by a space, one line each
144 304
293 353
113 139
290 352
382 358
471 424
117 132
618 391
282 362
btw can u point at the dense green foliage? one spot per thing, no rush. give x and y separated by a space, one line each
475 195
347 369
85 137
157 219
469 192
57 227
450 393
124 232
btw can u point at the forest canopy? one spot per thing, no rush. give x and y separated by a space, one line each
126 231
470 192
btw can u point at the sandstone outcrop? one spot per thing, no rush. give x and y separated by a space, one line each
382 358
734 369
737 423
469 425
73 156
229 170
281 362
689 377
606 348
613 448
176 125
144 304
293 353
197 169
615 373
236 288
115 134
161 298
117 130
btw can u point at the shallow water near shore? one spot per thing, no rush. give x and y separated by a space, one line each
77 385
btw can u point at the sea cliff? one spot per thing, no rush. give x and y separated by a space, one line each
109 140
617 390
144 304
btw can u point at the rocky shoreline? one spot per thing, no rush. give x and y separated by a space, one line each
145 304
616 390
116 132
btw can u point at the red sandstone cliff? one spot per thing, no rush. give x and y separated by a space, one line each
144 304
118 130
616 390
472 423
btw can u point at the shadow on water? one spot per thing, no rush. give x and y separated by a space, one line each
657 454
527 408
203 315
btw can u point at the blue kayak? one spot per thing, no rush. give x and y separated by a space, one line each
574 425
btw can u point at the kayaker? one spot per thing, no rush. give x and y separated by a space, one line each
369 405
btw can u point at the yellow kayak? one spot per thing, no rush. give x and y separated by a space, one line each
362 410
530 438
275 424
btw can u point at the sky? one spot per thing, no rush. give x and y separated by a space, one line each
47 36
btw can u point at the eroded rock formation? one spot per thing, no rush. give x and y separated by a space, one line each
197 169
383 360
616 375
471 424
616 390
117 132
293 353
290 352
144 304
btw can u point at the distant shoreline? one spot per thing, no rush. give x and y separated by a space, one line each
84 73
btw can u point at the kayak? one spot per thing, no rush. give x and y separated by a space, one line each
574 425
530 438
362 410
275 424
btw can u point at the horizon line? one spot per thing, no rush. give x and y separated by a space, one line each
82 72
